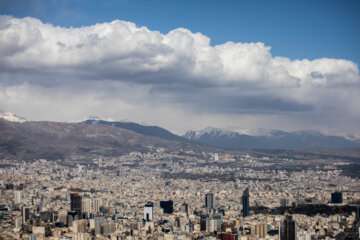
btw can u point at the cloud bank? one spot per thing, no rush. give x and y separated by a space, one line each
126 71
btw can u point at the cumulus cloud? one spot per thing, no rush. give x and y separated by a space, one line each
179 68
120 50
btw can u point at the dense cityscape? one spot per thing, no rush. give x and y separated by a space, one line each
162 194
179 120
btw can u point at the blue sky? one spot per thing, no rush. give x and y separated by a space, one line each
295 29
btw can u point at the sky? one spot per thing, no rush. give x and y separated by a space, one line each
184 65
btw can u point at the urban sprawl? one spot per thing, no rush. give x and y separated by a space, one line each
178 195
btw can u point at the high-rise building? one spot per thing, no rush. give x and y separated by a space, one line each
227 236
71 216
25 214
217 220
98 221
32 237
107 228
17 196
211 225
18 224
81 236
189 227
283 202
185 208
80 226
203 222
39 232
96 204
75 203
288 229
260 230
336 197
209 201
86 205
245 203
177 222
148 211
167 206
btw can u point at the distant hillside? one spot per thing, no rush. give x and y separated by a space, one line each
274 139
152 131
56 140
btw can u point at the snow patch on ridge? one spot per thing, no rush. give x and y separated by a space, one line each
11 117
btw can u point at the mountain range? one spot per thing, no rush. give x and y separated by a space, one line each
270 139
57 140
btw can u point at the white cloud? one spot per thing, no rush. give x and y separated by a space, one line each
177 68
122 49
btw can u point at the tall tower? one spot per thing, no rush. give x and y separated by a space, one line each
75 203
86 205
148 211
25 214
209 201
260 230
245 203
336 197
203 222
167 206
287 230
185 208
18 196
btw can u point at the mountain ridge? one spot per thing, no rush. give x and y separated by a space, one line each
149 130
273 139
56 140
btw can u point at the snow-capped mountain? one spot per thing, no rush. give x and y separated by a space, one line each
269 139
194 135
353 137
11 117
59 140
94 118
98 118
211 131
